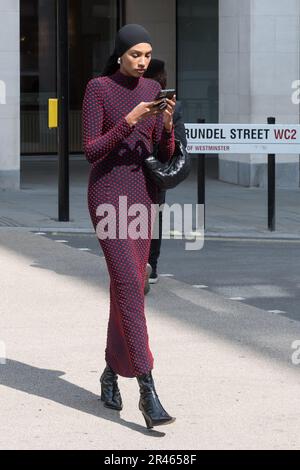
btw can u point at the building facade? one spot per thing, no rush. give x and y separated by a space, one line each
229 60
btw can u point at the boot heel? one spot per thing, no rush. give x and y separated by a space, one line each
150 405
147 421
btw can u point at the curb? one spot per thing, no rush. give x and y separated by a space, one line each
207 235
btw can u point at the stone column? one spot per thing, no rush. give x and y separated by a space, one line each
9 95
258 62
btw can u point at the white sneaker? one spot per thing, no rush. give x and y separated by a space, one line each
153 278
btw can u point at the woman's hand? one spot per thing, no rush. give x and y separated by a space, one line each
142 111
168 113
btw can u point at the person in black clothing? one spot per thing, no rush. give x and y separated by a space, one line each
156 70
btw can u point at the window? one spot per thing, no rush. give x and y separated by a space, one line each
197 61
92 28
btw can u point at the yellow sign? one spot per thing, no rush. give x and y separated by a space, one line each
52 113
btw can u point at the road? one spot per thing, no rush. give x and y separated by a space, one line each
259 272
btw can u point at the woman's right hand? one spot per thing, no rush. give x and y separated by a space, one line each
142 111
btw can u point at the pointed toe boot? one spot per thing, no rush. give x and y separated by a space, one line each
110 393
149 404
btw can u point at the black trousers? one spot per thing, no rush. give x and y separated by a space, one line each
156 242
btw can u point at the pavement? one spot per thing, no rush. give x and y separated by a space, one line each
227 370
223 368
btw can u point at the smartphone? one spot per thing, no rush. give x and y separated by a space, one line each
162 95
167 93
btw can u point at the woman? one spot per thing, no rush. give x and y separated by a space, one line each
121 122
157 71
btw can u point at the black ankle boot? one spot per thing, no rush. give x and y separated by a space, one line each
149 404
110 392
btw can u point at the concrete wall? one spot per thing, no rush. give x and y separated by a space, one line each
9 95
259 60
159 18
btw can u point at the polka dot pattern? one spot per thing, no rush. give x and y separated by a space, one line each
116 152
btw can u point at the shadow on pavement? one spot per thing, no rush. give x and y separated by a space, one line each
49 384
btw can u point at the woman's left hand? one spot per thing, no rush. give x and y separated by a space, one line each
168 113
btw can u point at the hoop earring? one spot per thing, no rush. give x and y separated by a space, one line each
119 60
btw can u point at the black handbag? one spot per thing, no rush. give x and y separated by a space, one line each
170 174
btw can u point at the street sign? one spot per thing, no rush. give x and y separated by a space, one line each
243 138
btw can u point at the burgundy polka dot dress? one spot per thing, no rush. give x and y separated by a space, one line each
116 152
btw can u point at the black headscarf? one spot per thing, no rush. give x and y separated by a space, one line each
127 37
130 35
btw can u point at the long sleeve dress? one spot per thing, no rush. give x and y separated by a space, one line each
116 152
